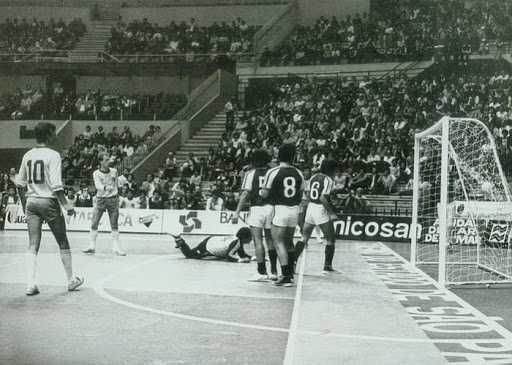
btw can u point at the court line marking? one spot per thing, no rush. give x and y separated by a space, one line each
98 288
294 323
449 294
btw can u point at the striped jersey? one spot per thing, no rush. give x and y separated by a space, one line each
228 247
285 184
319 185
40 173
104 179
253 182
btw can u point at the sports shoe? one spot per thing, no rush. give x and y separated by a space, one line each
329 270
89 250
118 252
32 291
284 281
75 283
259 278
273 276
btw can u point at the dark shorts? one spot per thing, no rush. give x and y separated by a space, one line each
42 209
111 204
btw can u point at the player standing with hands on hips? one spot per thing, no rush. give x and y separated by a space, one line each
283 185
106 183
40 173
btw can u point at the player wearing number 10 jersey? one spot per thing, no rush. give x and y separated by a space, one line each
283 185
320 213
40 174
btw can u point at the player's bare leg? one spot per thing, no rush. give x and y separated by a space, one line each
96 216
58 228
307 230
330 236
34 233
259 249
113 216
272 254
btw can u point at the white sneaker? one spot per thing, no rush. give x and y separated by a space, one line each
273 277
89 250
118 252
258 278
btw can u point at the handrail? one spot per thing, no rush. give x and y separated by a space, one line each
189 109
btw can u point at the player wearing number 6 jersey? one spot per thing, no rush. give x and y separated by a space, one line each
283 185
260 214
320 213
40 174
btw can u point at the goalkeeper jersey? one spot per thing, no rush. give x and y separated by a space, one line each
226 247
40 172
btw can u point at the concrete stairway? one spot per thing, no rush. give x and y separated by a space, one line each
92 43
208 136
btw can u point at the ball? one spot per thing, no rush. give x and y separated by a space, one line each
486 187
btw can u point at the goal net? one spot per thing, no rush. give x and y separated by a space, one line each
462 208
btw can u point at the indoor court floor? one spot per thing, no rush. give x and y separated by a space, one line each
156 307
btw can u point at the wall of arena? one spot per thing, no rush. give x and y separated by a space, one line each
204 15
46 13
138 84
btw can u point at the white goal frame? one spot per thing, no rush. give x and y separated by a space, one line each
440 132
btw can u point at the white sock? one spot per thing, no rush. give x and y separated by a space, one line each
115 238
94 235
65 256
31 263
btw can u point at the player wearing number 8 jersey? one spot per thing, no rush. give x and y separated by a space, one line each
260 214
320 213
283 185
40 174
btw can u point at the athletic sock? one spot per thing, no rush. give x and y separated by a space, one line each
291 261
285 270
94 235
262 270
299 247
272 256
65 256
329 254
31 263
115 240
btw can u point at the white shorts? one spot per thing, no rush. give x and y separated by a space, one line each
316 214
285 216
261 217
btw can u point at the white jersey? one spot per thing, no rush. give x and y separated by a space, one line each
222 246
102 180
40 172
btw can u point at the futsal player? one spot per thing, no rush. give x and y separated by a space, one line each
260 215
320 213
283 185
229 248
106 183
304 205
40 173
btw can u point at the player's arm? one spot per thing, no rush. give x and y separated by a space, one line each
55 179
325 199
232 252
63 201
21 183
244 196
97 182
267 183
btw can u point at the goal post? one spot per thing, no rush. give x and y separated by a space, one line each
462 208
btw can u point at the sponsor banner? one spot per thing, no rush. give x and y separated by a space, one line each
130 220
374 228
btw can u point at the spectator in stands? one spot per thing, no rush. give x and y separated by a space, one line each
84 199
215 201
190 165
5 182
386 183
129 201
71 197
10 203
148 185
195 180
171 165
141 202
156 201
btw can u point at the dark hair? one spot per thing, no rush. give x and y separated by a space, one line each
328 166
243 233
286 153
260 158
43 131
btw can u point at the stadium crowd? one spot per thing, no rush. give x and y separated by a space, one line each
142 37
24 36
402 31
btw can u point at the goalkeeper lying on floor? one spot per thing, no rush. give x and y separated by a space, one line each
230 248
